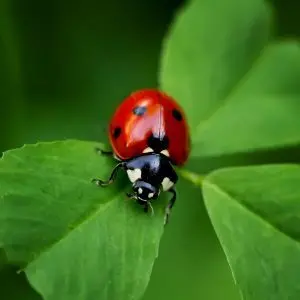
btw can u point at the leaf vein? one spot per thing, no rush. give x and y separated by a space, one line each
100 208
230 93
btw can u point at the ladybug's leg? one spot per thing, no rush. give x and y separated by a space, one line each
131 196
147 206
112 177
104 152
170 205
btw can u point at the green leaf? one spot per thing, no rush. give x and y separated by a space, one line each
255 212
234 86
74 239
210 48
264 111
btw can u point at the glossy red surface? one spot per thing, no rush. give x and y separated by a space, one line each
158 119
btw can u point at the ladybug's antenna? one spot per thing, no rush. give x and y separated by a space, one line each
148 205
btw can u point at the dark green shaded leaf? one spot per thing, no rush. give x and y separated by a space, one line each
11 114
14 286
190 254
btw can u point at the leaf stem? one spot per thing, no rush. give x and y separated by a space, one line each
191 176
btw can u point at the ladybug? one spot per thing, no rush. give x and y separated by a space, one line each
149 135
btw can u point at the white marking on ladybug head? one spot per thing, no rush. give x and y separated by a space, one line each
167 184
148 150
165 152
134 175
140 190
150 195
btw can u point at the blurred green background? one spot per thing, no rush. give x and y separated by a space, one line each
64 66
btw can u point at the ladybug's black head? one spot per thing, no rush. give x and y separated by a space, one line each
144 191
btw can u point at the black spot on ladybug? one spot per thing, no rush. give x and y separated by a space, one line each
139 110
117 132
158 143
177 114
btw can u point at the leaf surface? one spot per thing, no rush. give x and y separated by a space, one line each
240 91
255 212
75 240
210 48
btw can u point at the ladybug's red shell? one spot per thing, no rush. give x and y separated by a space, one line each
146 114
